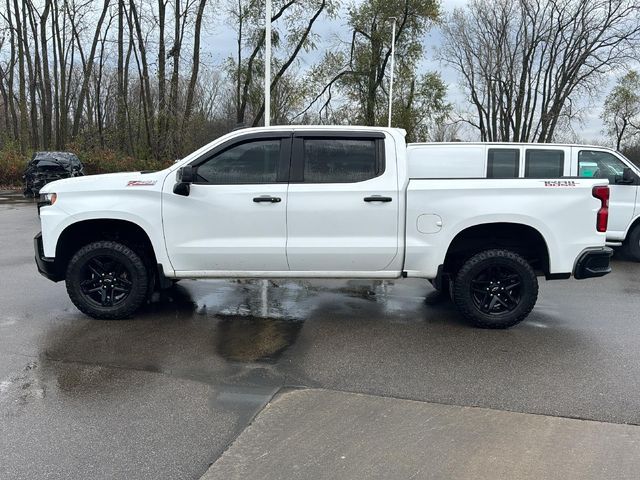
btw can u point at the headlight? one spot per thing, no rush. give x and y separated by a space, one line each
47 199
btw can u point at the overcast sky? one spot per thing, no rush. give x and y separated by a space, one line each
218 45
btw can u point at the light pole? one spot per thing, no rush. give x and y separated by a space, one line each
267 64
393 58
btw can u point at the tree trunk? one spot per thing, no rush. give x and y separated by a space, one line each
87 71
10 76
162 74
175 78
195 67
120 126
33 69
22 93
47 102
145 87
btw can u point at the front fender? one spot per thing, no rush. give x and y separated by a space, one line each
142 208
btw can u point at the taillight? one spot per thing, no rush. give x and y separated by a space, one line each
602 194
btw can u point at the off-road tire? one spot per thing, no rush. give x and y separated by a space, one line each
462 288
135 265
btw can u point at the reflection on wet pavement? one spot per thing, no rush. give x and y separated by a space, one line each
257 320
225 333
255 339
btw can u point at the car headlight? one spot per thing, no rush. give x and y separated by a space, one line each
47 199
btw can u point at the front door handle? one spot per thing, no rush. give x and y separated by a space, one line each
267 198
377 198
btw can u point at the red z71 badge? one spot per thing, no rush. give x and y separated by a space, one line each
140 183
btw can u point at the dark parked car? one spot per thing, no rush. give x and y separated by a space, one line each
45 167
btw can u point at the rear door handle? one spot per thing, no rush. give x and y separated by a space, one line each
267 198
377 198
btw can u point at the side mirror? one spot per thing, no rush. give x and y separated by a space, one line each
185 174
184 177
628 177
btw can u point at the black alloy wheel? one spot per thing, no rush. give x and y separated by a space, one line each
495 289
107 280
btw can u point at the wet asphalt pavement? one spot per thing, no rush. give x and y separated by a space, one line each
162 395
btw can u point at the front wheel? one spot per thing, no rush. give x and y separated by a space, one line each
495 289
107 280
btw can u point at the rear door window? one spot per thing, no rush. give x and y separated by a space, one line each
503 163
340 160
541 163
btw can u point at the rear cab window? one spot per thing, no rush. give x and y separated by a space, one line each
544 163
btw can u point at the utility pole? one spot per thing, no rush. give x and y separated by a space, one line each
393 58
267 64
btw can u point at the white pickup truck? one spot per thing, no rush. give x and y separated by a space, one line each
318 202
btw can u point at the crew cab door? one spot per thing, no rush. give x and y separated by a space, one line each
594 163
342 209
234 217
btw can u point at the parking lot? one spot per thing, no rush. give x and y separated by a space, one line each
164 394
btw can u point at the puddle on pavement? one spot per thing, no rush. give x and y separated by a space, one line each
12 198
78 379
215 332
255 339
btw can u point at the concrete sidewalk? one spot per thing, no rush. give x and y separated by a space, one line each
321 434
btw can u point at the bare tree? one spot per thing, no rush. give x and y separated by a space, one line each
195 66
133 77
299 18
523 62
87 67
22 92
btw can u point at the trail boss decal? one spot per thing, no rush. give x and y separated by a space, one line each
560 183
140 183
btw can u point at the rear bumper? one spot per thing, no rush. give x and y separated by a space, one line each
593 262
46 265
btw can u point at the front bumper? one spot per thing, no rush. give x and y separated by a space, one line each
46 265
593 263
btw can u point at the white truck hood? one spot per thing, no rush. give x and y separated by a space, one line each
109 181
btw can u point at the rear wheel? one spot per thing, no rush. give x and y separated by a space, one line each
495 289
107 280
632 246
